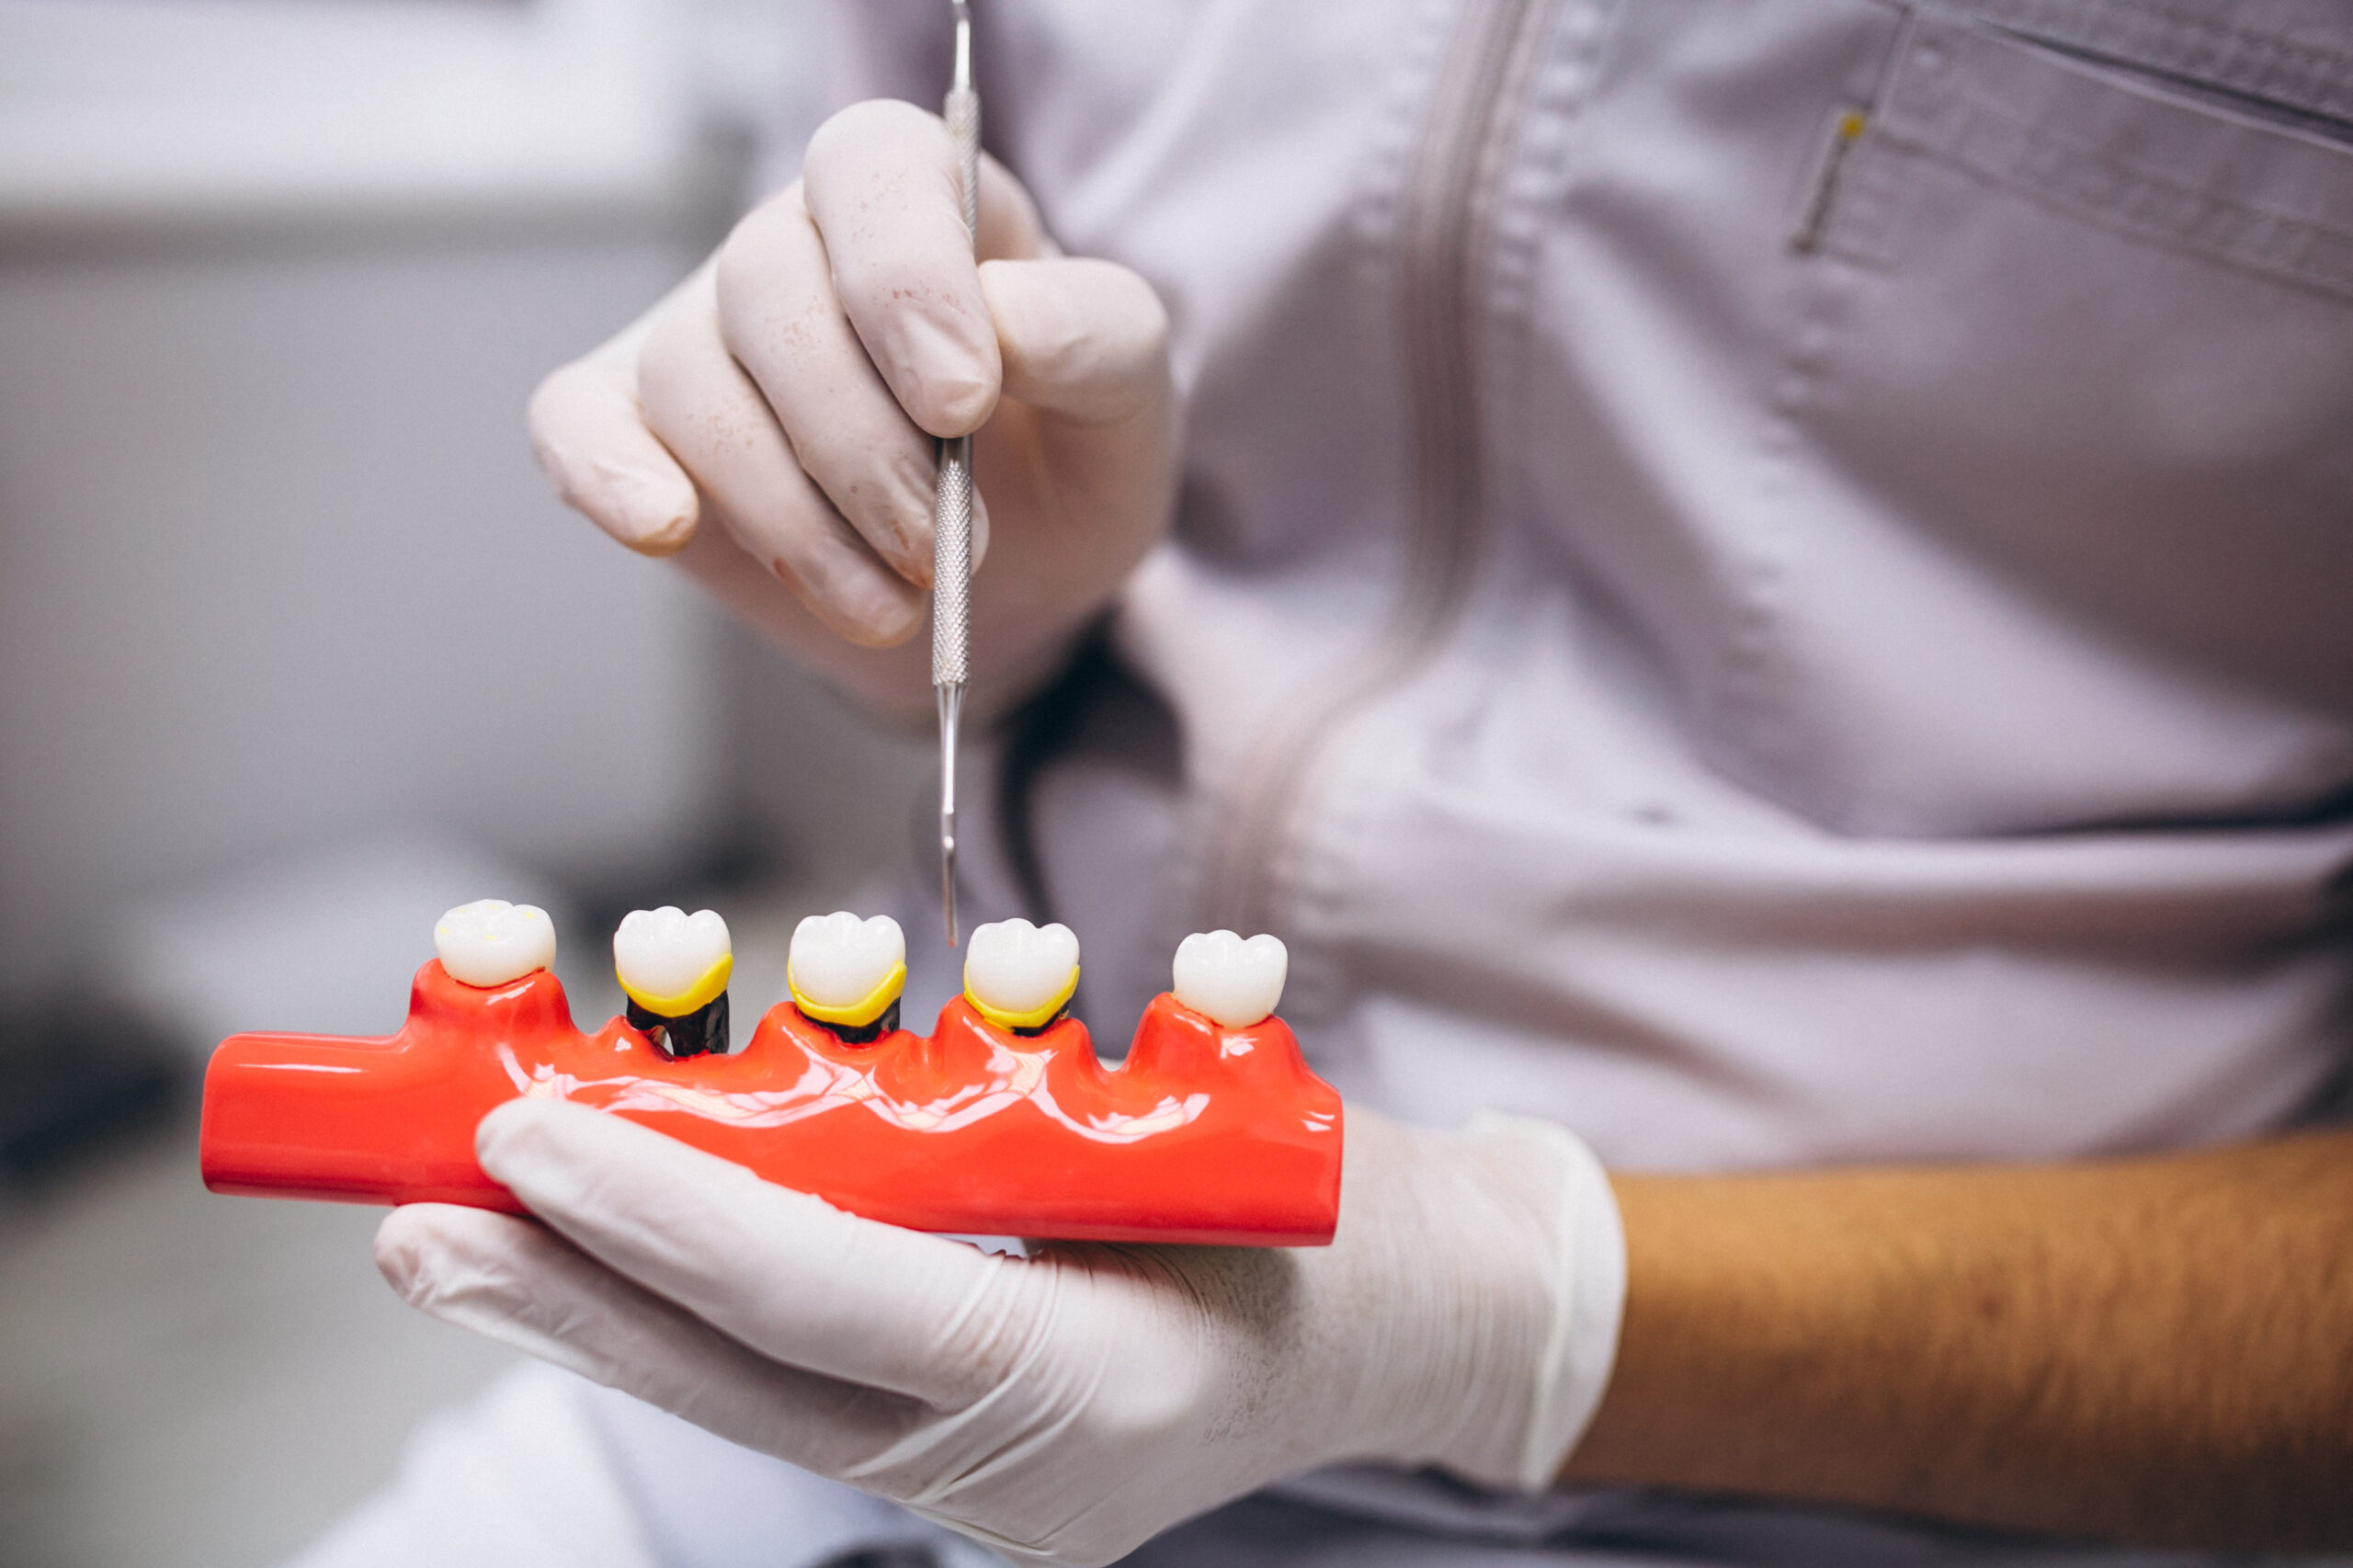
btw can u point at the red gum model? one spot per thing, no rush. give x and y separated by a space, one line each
1205 1134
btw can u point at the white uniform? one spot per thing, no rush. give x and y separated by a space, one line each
1772 580
1768 649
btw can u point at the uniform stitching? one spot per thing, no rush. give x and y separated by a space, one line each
2327 73
2039 160
1444 249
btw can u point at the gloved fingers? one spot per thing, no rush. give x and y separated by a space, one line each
1085 345
783 323
1010 227
892 681
589 435
883 184
711 416
1083 339
781 1271
516 1282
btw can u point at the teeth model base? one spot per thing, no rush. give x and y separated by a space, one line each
1208 1133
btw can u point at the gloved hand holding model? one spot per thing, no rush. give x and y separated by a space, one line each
1070 1404
1705 614
788 391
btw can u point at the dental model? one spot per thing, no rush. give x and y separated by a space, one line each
847 974
490 942
673 967
1021 977
1001 1120
1237 982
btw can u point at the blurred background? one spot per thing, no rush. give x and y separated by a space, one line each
297 650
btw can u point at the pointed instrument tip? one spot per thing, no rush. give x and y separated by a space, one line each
952 708
947 882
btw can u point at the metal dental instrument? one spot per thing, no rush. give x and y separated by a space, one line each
951 513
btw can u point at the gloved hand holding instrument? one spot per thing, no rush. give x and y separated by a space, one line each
772 423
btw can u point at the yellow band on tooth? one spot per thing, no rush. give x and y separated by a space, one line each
695 997
1035 1018
858 1014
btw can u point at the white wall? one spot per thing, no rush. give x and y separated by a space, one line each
276 572
276 567
131 113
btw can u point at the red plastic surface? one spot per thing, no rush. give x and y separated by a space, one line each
1204 1134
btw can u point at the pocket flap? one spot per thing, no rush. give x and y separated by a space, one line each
2124 153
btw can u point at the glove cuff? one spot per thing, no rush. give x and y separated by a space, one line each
1498 1264
1588 1300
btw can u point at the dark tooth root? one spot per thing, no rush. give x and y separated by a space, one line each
1050 1023
699 1033
867 1034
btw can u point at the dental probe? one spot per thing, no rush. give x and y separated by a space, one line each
952 514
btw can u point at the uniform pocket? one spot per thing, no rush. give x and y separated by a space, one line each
2141 146
2064 535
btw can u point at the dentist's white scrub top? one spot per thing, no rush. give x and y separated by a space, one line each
1772 580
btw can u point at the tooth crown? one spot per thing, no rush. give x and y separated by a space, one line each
672 963
1235 982
490 941
1018 976
846 971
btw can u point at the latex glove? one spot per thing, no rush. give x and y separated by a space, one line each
770 421
1070 1404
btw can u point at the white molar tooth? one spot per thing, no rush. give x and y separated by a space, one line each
663 952
1234 982
837 960
1016 967
490 941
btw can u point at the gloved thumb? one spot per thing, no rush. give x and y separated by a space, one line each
1085 349
1082 341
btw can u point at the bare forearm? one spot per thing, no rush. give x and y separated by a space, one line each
2157 1350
